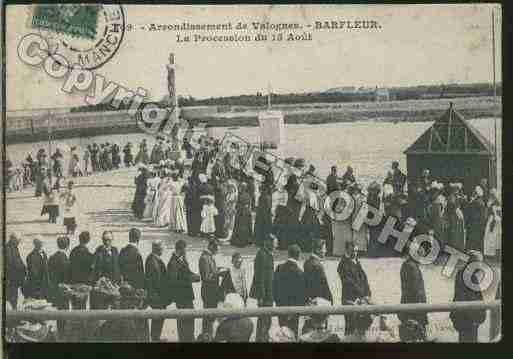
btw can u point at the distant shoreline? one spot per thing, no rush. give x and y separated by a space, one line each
310 114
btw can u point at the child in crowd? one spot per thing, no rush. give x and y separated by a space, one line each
209 211
69 205
76 171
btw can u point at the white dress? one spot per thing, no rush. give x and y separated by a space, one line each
493 232
360 237
151 195
164 202
178 220
208 224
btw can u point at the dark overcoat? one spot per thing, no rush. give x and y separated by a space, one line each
462 320
132 267
263 273
354 280
289 285
106 264
156 282
180 280
15 270
412 290
81 265
59 272
210 289
316 282
38 282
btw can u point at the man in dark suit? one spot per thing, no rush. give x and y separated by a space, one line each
412 291
316 283
289 287
355 288
81 266
262 286
131 262
131 266
59 270
180 286
211 292
15 270
37 284
157 295
467 323
106 264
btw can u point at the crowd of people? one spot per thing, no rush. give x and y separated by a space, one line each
150 283
213 194
207 192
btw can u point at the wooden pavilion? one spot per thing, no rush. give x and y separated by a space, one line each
453 151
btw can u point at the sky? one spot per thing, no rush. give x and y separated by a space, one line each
416 44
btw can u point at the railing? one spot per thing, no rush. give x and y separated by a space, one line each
249 312
41 315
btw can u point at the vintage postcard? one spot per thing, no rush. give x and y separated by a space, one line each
252 173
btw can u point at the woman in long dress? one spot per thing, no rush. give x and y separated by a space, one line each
493 229
292 227
264 217
438 219
151 194
189 189
280 214
164 204
374 201
73 161
342 230
361 236
475 217
141 186
232 194
220 204
156 199
308 214
178 218
143 156
242 231
455 224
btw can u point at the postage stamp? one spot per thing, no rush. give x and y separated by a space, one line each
80 35
73 19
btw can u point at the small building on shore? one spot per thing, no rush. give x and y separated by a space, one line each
454 151
272 129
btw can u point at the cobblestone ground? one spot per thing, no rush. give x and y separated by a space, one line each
104 202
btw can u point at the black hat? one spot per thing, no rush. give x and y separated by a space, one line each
299 163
